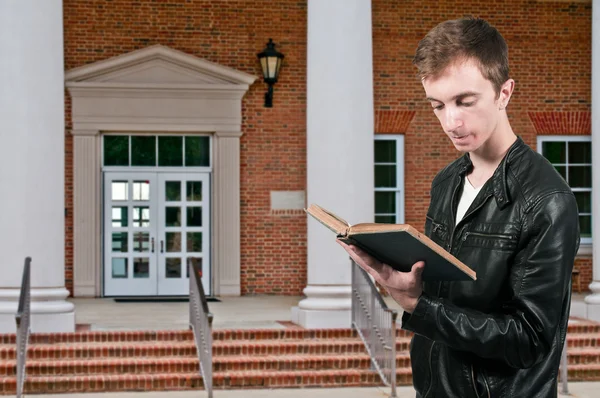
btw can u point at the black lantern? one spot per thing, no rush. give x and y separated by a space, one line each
270 61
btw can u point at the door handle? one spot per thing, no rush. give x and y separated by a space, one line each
152 244
162 249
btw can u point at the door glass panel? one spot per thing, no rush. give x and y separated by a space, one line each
141 190
385 202
119 190
385 176
119 242
173 242
580 176
116 150
173 267
119 216
197 151
172 216
141 241
194 241
141 216
170 151
173 191
196 262
119 268
143 150
194 216
141 267
194 191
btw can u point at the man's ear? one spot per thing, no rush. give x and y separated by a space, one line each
505 93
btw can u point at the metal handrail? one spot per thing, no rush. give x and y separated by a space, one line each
564 371
375 323
201 323
22 318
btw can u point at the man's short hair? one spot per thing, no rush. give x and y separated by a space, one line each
464 39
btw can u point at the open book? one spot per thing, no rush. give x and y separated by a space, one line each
398 245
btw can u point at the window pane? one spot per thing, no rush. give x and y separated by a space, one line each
580 176
194 216
141 216
197 151
141 241
385 151
385 219
585 226
141 267
141 190
173 242
554 151
143 151
580 152
119 242
194 241
172 216
119 216
170 151
116 150
119 268
385 202
194 191
385 176
119 190
584 201
173 267
173 191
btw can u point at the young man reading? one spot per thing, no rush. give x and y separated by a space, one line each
502 209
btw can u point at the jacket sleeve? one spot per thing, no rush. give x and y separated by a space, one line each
522 332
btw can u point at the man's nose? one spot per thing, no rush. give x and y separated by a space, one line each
452 119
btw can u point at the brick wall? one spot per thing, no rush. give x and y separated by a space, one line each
549 46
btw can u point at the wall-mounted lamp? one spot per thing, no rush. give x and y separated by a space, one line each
270 61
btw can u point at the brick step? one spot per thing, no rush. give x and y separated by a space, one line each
583 326
190 364
186 335
220 348
193 381
577 356
580 340
587 372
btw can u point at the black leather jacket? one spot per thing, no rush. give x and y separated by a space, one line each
502 335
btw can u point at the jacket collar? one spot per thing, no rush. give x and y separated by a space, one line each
497 185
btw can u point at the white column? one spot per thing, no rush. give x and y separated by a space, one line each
339 149
593 300
32 163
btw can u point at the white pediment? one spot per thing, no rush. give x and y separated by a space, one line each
157 65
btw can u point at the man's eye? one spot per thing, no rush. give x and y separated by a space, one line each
438 107
467 104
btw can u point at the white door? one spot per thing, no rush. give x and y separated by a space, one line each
183 230
154 225
130 221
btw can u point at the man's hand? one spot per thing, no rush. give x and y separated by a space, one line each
404 287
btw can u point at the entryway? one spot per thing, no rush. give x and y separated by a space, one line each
155 224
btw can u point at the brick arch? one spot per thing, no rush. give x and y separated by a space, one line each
392 122
563 123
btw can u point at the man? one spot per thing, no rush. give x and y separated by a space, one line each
503 210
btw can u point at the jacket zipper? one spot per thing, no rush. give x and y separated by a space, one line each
497 236
487 389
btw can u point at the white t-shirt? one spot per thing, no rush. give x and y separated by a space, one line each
468 196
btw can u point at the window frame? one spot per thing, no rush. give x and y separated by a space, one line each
399 189
571 138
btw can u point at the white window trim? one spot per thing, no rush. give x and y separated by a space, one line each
585 248
400 197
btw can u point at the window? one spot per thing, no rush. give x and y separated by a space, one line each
389 179
152 150
572 158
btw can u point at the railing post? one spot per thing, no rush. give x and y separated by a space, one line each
393 346
563 370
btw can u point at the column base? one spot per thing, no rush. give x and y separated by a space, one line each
325 307
593 302
50 312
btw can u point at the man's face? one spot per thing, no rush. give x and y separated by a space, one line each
466 105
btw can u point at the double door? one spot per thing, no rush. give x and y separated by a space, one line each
155 224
